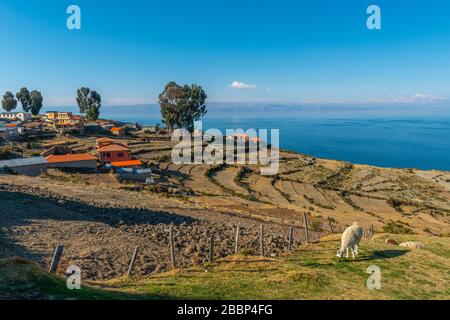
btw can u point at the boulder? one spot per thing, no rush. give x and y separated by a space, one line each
411 244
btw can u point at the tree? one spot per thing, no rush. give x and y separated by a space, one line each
182 106
89 103
9 102
25 99
36 102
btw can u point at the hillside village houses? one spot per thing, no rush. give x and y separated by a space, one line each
109 153
65 122
8 131
12 116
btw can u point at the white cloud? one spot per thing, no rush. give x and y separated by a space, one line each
237 85
415 98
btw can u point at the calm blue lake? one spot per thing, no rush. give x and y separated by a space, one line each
401 136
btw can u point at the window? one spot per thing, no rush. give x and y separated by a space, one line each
108 155
120 154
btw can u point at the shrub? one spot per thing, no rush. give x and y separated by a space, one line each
316 225
5 153
397 227
245 252
165 158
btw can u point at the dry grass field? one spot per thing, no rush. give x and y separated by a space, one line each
312 272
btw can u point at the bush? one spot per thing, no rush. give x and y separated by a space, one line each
396 204
165 158
316 225
5 153
397 227
245 252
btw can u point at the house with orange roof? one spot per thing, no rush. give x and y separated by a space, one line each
102 142
11 125
117 131
9 131
113 153
69 128
73 162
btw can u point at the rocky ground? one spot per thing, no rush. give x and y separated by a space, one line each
100 237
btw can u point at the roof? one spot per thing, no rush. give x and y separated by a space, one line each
32 124
20 112
105 140
134 171
11 125
67 125
129 163
116 129
70 158
113 147
241 135
23 162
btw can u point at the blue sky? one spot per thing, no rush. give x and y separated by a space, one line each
273 51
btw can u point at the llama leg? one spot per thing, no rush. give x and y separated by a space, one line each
346 255
353 254
357 250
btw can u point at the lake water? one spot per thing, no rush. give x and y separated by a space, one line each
401 136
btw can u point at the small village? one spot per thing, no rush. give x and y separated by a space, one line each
111 151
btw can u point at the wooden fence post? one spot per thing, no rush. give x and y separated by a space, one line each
261 240
211 249
171 247
133 260
331 225
291 233
236 244
306 227
56 258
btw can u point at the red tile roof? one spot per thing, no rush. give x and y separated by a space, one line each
113 147
105 140
70 158
116 129
128 163
32 124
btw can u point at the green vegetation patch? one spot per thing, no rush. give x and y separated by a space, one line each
25 280
397 227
